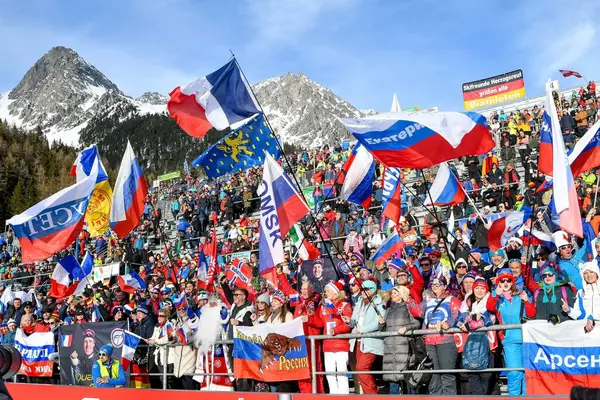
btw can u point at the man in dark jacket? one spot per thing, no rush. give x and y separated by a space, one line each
15 311
240 314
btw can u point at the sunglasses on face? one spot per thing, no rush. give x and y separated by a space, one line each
437 284
461 266
102 355
237 294
505 280
425 264
547 275
353 285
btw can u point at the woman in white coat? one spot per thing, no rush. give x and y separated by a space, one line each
587 302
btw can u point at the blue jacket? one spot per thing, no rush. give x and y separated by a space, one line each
570 268
120 380
183 225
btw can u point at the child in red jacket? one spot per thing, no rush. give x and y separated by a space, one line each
332 309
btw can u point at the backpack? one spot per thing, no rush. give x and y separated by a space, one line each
476 352
418 361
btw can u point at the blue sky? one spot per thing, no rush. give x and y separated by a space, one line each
363 50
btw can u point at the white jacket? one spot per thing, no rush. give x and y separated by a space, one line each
587 301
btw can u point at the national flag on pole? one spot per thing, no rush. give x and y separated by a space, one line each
392 195
98 212
69 277
535 237
239 274
388 248
129 196
422 139
280 208
360 172
213 265
217 100
202 272
54 223
395 104
131 283
180 301
547 184
306 250
182 335
567 73
186 167
506 227
564 193
586 152
446 189
546 147
130 344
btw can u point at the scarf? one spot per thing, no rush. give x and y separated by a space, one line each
507 294
28 329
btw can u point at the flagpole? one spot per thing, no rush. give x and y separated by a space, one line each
596 195
439 222
474 206
451 233
291 170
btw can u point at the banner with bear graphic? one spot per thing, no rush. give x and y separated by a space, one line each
270 352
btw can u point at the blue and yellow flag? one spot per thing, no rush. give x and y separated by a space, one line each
242 149
97 215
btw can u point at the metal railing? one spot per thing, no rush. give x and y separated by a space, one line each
314 338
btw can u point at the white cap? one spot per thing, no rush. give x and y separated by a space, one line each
515 239
561 238
590 266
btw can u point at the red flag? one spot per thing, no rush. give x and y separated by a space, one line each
213 265
567 73
393 210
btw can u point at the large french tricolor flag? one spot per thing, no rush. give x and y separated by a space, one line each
422 139
360 171
53 224
558 357
446 189
388 248
131 282
280 208
129 195
69 277
546 152
130 343
506 227
586 152
564 193
217 100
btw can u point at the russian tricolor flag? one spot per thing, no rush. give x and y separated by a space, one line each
558 357
422 139
546 152
129 195
388 248
586 153
446 189
391 199
69 277
280 208
131 282
180 301
360 171
564 193
217 100
182 335
130 344
506 227
54 223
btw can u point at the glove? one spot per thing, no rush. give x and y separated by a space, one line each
224 313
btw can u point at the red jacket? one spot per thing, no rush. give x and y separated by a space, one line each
308 307
334 315
417 285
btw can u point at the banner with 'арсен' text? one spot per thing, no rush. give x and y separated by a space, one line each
558 357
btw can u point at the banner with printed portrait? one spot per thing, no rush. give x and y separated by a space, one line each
78 347
226 259
319 272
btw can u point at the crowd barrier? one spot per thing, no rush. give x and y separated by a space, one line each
22 391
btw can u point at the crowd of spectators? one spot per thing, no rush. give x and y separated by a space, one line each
441 280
